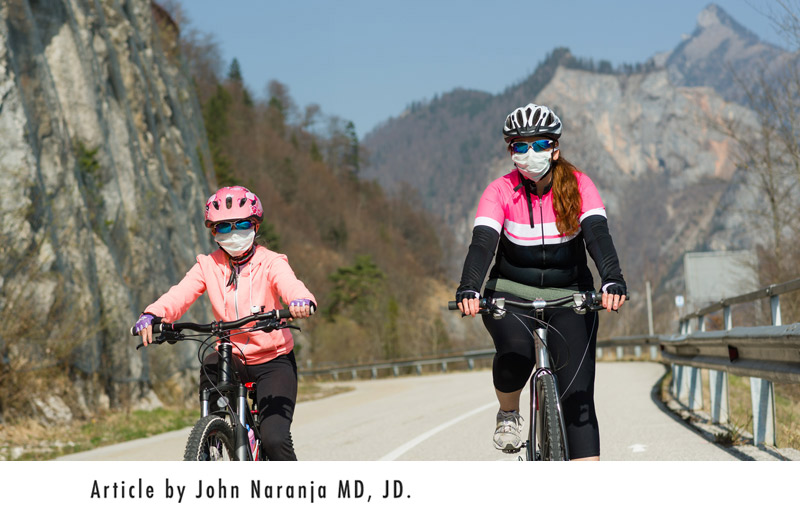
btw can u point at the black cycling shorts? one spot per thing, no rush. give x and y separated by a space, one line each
571 342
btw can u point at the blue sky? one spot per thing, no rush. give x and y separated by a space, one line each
366 61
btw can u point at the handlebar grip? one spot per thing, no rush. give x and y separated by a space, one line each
452 305
156 329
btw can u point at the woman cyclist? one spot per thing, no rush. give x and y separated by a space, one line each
241 278
540 219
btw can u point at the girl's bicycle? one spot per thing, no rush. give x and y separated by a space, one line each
228 429
547 440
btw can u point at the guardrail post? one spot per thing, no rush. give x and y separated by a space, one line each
775 307
677 380
354 374
619 352
727 317
395 370
718 388
335 375
653 352
374 373
471 363
695 389
762 394
684 374
599 353
419 369
444 366
637 351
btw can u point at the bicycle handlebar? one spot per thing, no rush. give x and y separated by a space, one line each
580 301
272 315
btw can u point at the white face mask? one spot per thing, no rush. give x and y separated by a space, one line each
236 242
533 165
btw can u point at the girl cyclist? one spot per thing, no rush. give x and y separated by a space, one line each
540 219
241 278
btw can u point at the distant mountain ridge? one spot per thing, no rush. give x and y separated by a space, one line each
644 136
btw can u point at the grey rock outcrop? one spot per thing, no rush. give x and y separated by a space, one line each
102 184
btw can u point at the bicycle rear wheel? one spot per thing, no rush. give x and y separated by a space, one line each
211 439
550 438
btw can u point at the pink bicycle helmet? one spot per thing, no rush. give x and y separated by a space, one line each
231 203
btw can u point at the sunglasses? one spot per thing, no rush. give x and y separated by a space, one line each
226 226
542 145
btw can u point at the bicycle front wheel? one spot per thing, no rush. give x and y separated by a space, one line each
550 437
211 439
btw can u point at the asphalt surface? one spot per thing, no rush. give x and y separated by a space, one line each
450 417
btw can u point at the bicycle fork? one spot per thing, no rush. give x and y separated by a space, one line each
225 384
543 367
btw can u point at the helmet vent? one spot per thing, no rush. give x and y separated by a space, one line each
216 204
242 202
229 201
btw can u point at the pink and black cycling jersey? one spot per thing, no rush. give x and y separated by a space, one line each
531 250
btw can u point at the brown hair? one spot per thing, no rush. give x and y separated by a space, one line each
566 198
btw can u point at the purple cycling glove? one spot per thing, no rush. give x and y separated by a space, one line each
144 321
304 302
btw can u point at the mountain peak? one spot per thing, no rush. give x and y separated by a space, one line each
714 16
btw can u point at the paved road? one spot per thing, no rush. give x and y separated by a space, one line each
450 417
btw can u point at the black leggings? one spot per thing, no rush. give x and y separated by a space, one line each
571 338
276 394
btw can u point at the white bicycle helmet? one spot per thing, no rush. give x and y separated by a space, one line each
532 120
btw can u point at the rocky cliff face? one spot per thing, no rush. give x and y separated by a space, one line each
102 180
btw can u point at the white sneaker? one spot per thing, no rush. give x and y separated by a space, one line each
507 435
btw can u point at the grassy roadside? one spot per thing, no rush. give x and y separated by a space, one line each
740 426
30 440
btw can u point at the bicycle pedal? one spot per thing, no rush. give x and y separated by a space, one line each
511 450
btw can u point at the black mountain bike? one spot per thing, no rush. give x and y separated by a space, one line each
229 429
547 440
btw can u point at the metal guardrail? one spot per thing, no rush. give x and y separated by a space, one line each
773 292
766 354
373 369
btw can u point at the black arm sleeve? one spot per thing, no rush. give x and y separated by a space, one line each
479 258
601 248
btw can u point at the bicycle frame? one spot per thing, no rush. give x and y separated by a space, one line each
226 385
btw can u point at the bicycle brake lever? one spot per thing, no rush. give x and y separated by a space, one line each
498 308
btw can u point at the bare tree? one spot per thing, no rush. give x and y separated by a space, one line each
768 148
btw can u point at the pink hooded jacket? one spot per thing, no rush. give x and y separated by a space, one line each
261 282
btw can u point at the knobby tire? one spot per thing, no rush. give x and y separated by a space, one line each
211 439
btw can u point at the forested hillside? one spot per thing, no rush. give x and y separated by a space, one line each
374 261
